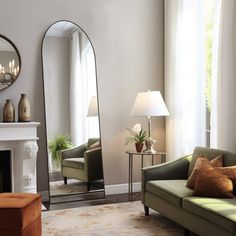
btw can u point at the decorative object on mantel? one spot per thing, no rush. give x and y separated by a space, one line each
138 136
23 109
8 112
148 104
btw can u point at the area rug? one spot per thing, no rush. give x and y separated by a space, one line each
73 186
112 219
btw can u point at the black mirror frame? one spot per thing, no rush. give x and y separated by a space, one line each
44 101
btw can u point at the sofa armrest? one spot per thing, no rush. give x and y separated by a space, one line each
93 163
73 152
177 169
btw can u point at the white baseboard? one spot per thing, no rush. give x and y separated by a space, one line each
44 195
121 188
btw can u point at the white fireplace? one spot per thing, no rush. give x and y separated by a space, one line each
21 140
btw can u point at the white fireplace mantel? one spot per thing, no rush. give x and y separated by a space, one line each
21 140
18 131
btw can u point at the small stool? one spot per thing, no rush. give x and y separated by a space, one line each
20 214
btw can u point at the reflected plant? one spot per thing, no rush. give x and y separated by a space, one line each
59 143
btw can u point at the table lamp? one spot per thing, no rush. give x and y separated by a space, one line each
93 107
148 104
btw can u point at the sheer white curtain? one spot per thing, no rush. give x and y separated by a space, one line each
224 116
82 88
184 76
77 108
89 74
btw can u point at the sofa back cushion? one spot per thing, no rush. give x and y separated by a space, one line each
229 158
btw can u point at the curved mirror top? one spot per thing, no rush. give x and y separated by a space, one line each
9 63
71 103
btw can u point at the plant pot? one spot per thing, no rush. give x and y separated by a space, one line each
139 147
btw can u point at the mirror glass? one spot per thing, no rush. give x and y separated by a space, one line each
72 114
9 63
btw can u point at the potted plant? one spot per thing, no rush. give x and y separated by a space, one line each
59 143
137 136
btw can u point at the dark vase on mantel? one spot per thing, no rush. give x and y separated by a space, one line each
23 109
8 112
139 147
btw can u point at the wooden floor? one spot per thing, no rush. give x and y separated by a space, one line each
95 199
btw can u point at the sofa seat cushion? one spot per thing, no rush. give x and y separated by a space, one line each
77 163
221 212
171 190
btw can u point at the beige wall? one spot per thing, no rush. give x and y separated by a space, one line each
128 41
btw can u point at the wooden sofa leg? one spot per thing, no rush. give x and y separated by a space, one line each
65 180
186 232
146 210
88 186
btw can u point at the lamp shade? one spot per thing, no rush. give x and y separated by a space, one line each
149 104
93 107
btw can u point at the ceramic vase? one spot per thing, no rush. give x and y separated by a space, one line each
8 112
139 147
23 109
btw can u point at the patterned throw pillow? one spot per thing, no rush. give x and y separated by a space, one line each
204 164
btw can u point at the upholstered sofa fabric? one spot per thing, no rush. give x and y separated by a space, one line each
163 189
172 191
219 211
77 163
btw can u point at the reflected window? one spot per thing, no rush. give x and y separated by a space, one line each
83 88
88 68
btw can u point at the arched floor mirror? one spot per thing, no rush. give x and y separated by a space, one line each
72 114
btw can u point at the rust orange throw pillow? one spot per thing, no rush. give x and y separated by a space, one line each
215 182
204 164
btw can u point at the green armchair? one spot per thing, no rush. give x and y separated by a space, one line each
83 162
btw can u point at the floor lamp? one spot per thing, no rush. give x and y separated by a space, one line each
148 104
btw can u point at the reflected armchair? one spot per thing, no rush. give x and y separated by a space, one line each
83 162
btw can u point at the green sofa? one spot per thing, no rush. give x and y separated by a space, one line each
164 190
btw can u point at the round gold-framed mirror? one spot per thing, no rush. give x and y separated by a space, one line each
10 62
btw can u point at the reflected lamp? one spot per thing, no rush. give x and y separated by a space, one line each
93 107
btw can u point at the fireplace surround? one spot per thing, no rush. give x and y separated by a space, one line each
21 140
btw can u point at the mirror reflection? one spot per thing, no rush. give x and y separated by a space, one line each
71 107
9 63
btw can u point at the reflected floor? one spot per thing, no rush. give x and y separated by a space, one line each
58 188
74 191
